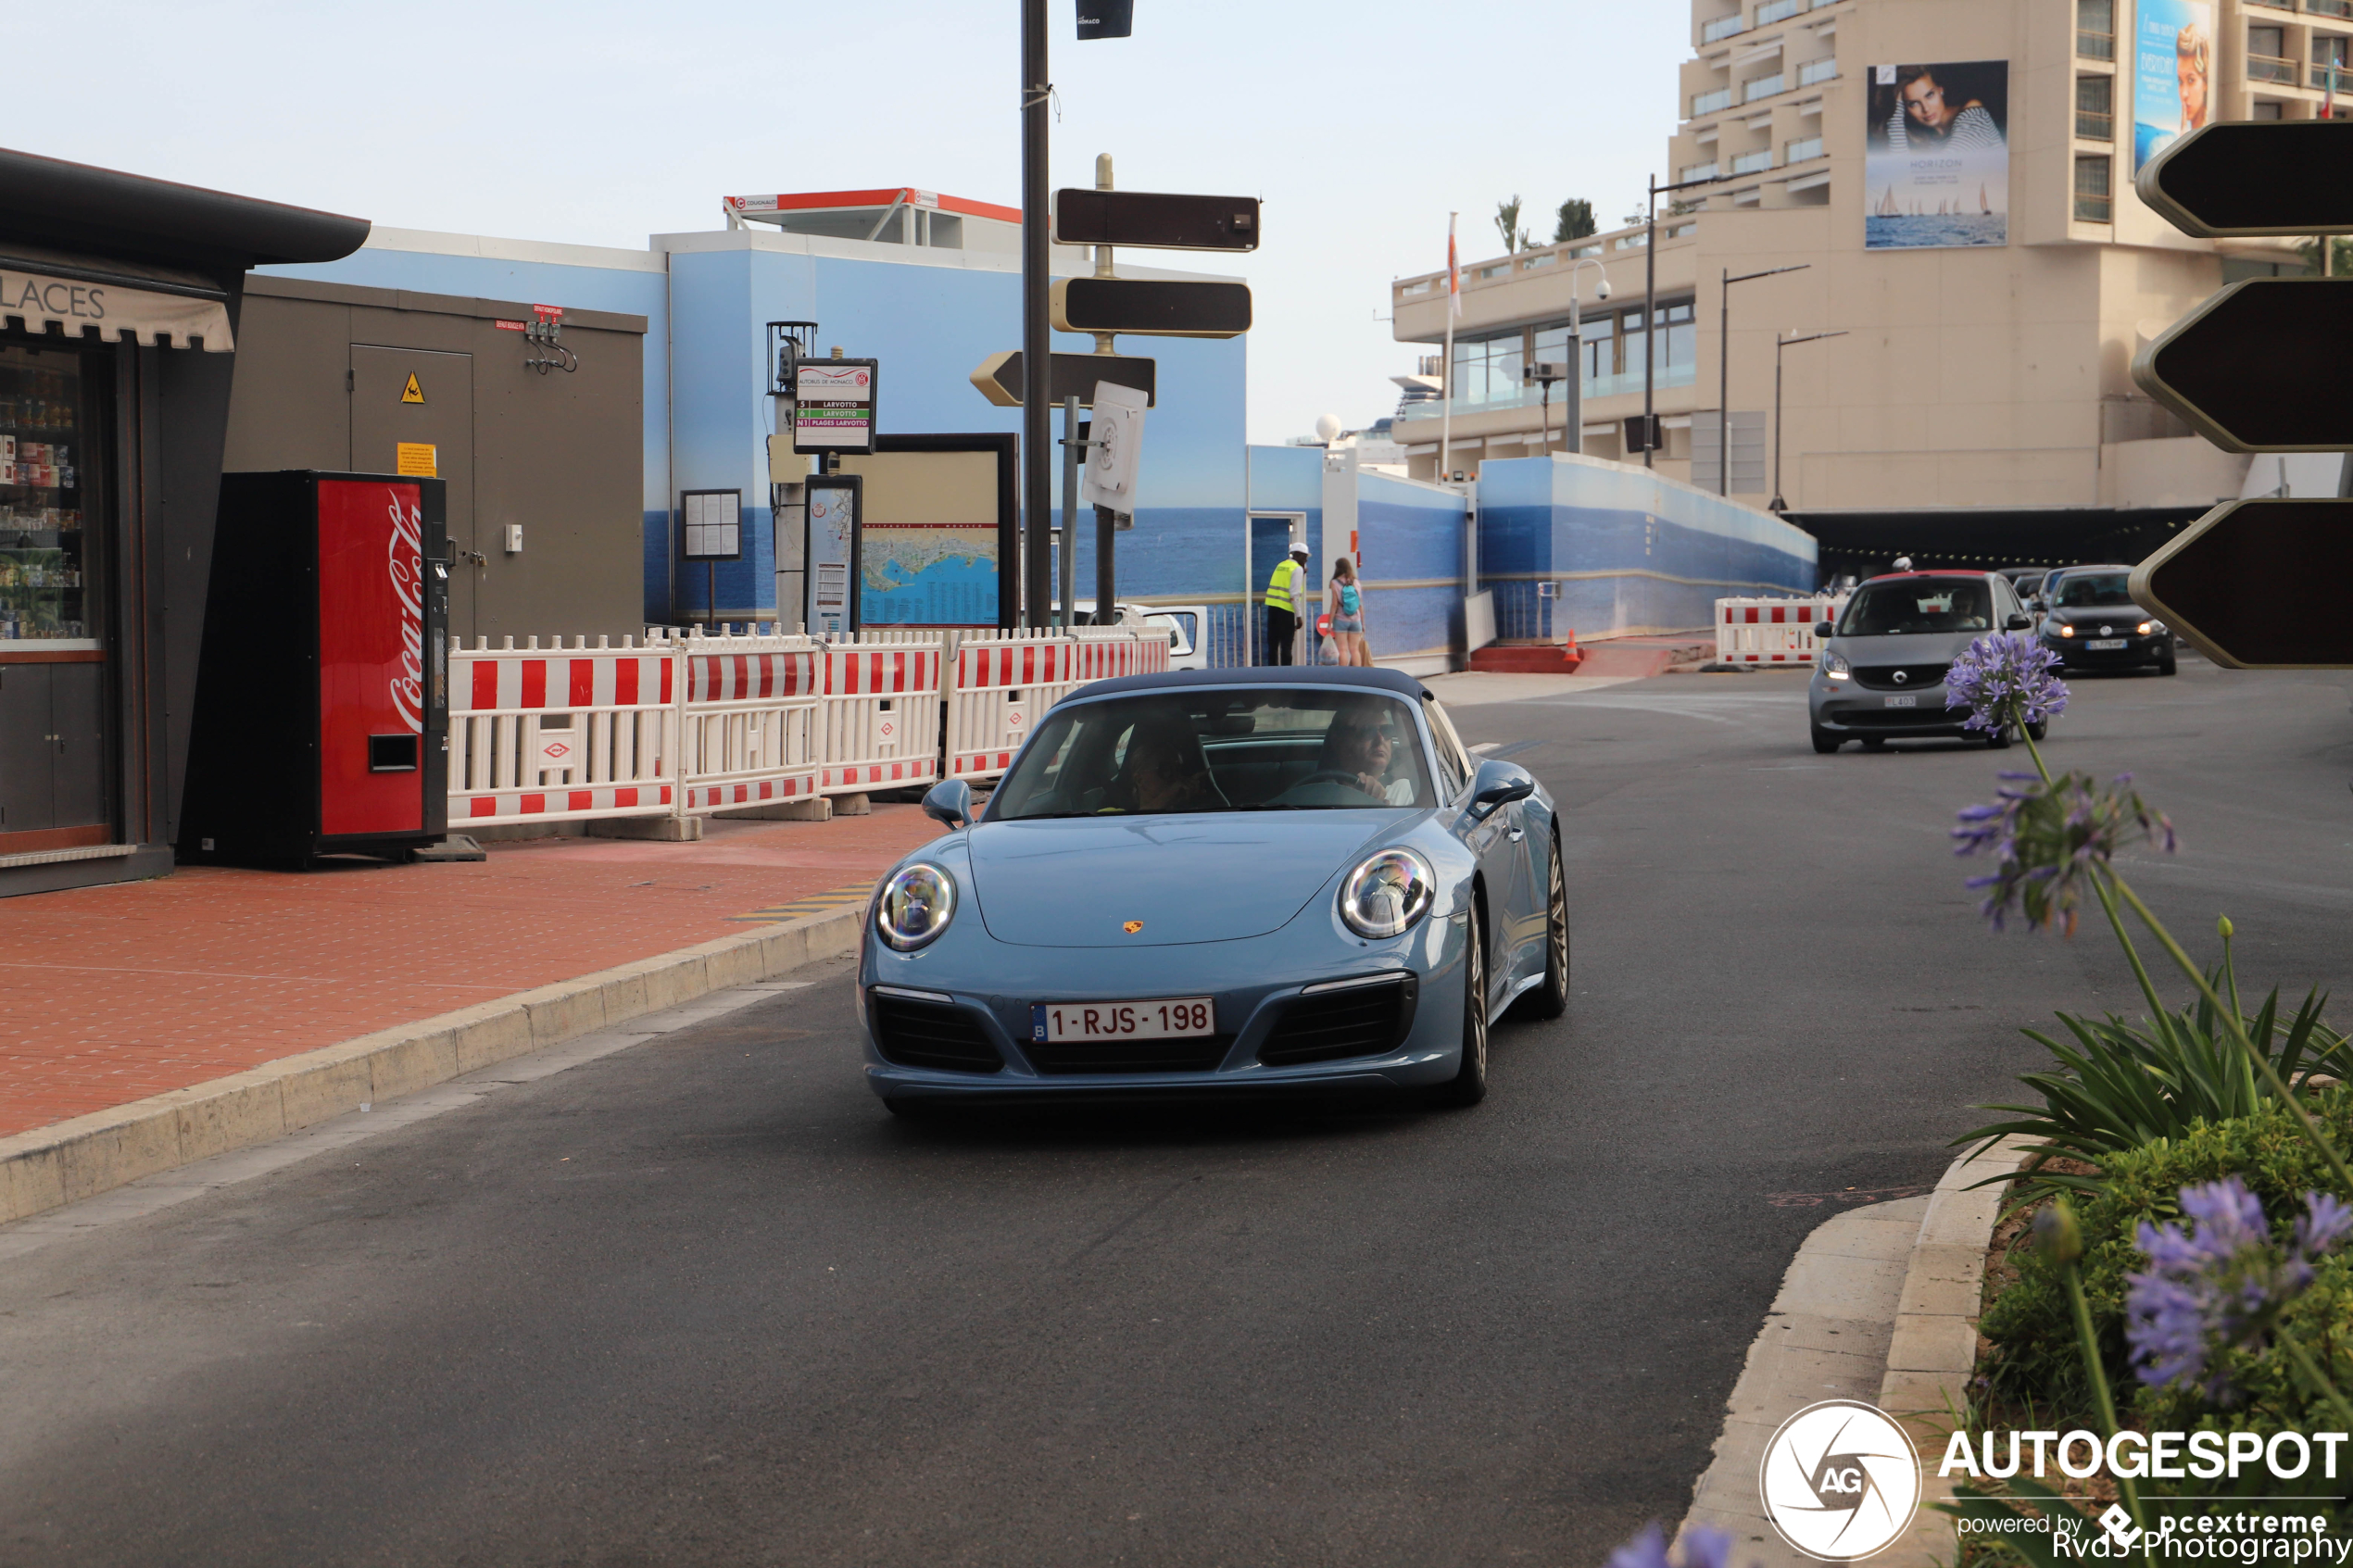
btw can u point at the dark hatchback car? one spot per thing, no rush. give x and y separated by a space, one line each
2093 623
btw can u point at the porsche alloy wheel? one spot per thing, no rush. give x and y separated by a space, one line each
1551 998
1468 1085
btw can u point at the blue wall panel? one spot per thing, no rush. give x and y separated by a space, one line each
1411 537
1632 551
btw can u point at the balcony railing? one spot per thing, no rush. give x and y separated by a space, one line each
2271 68
1618 384
2096 125
1708 103
1696 171
2093 209
2329 8
1799 151
1764 87
2095 45
2335 77
1722 28
1822 70
1753 163
1775 10
2274 5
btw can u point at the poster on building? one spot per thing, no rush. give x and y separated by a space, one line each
1936 164
2173 69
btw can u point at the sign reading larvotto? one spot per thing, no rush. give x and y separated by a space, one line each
1936 161
834 406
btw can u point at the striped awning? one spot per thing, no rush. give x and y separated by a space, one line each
41 302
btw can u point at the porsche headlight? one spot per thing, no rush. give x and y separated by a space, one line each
1384 895
1834 665
915 907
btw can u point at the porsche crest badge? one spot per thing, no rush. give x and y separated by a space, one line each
1132 927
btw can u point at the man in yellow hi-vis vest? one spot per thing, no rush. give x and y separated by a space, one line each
1286 592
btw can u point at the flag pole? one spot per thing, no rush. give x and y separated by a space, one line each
1446 360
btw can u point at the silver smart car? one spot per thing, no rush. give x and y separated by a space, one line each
1880 676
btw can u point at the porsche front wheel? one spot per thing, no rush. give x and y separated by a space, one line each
1468 1085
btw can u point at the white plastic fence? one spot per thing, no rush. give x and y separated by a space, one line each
1003 681
749 715
880 712
1771 631
561 734
689 724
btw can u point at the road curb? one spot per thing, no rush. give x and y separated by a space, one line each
1880 1306
70 1161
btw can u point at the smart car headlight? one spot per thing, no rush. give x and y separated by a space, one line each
1385 895
2067 631
1835 666
915 907
2144 628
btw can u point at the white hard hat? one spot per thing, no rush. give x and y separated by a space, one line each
1299 549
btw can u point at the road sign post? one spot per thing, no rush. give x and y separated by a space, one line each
2253 585
999 377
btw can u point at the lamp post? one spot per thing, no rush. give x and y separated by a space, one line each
1544 373
1724 372
1781 342
1573 430
1650 310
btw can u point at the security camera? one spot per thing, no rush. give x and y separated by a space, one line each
1603 292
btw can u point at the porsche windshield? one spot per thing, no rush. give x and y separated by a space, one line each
1919 604
1265 748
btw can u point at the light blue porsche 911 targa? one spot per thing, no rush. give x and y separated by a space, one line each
1217 881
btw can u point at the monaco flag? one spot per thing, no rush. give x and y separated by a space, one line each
1453 273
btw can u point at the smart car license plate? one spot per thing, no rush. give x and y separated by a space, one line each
1162 1018
1908 699
2104 645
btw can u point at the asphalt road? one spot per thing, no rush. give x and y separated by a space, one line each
702 1301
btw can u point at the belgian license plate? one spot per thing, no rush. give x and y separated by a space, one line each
1907 700
1162 1018
2104 645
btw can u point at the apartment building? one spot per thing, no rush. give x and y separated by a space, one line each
1953 181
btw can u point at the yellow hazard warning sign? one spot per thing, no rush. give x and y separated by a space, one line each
413 393
416 457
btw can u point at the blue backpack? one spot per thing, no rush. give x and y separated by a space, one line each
1348 599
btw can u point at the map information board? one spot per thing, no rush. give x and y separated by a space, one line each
930 538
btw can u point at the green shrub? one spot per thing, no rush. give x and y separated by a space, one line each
2118 1085
2036 1361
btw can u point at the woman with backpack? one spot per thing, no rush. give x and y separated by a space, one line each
1344 602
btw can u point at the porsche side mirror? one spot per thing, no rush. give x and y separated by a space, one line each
1496 785
2017 623
949 801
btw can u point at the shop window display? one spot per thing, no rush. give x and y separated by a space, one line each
48 587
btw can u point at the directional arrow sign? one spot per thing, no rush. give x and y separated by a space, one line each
1075 375
2261 366
1153 306
2255 177
1155 220
2259 584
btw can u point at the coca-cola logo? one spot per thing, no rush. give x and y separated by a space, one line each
405 559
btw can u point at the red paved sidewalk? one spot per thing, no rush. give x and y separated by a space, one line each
109 994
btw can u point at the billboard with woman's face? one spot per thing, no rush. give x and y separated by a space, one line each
1936 162
2172 73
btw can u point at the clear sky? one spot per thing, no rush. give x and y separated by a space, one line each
1360 124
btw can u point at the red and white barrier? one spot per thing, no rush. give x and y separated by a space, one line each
879 711
1766 631
1004 682
560 734
749 725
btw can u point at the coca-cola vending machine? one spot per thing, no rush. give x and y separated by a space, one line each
321 721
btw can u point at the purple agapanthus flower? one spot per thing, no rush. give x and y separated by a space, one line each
1703 1547
2224 1283
2048 838
2005 680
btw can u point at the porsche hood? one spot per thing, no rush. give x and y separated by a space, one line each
1086 881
